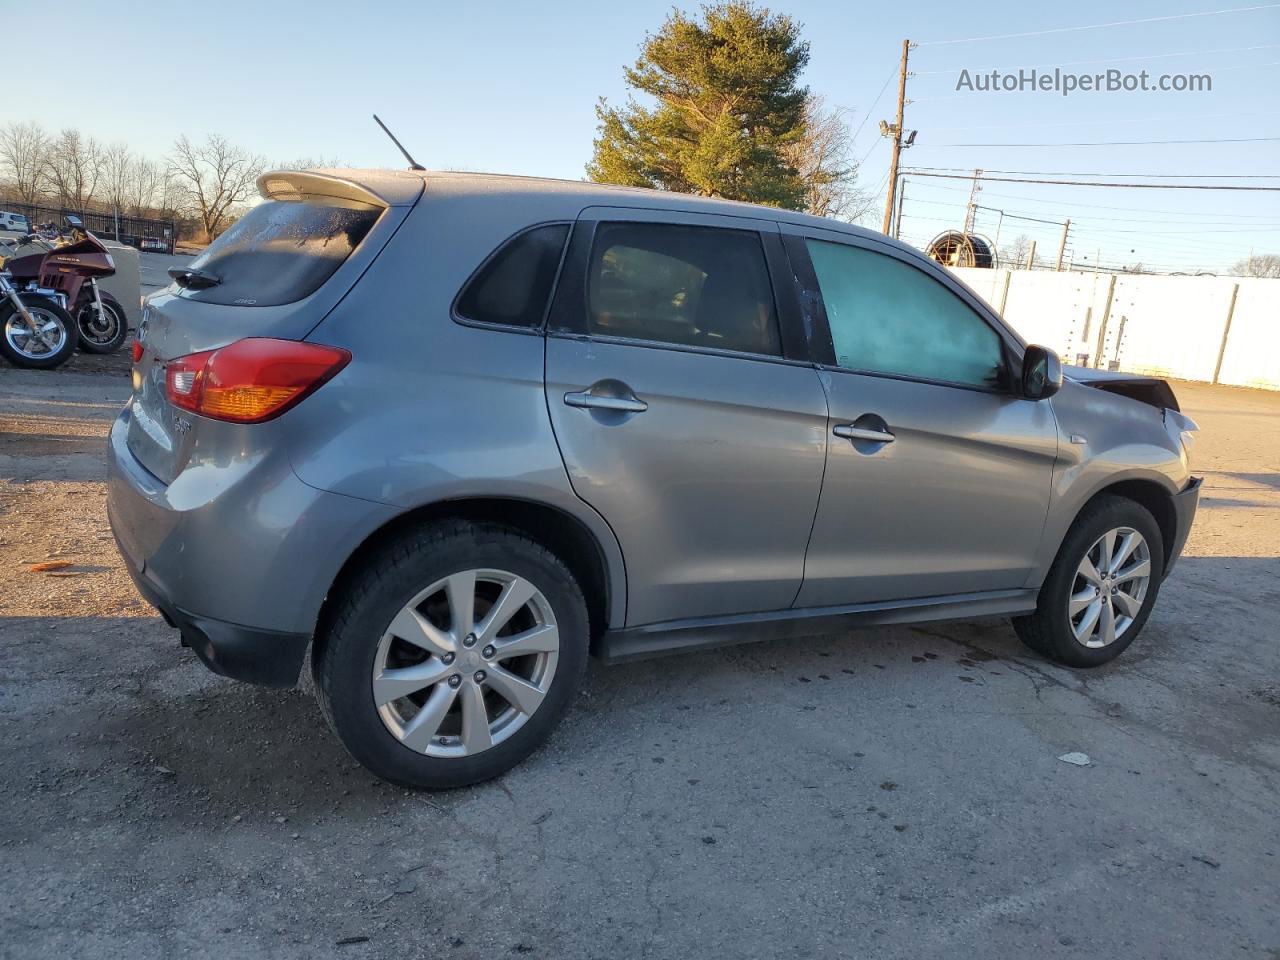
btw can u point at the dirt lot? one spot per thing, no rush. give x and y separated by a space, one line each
891 793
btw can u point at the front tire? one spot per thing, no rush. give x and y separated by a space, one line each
1101 587
105 334
49 344
452 655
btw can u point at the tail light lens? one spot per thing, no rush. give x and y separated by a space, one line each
250 380
136 350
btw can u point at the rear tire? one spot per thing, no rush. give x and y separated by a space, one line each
1086 621
396 632
20 348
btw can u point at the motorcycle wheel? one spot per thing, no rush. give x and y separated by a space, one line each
105 334
49 345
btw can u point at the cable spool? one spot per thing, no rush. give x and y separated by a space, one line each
953 248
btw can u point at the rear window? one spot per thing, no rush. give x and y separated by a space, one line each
282 251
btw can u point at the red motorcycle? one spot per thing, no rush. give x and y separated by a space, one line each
66 274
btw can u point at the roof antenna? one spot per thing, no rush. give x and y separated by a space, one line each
413 164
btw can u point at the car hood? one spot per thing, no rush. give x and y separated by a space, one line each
1150 390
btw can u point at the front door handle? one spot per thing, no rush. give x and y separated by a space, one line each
618 404
850 432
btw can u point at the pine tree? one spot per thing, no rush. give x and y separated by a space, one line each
728 113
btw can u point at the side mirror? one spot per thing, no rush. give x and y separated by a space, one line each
1041 373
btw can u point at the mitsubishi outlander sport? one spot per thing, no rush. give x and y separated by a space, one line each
452 433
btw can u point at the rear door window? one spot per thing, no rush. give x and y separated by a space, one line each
282 250
693 286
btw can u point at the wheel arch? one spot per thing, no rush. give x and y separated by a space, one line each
597 570
1148 493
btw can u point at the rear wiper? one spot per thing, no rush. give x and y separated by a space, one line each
194 278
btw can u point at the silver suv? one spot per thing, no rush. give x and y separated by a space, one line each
451 433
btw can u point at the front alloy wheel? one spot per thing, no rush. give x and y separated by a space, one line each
1101 586
1111 583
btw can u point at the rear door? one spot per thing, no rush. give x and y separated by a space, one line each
279 270
685 407
937 480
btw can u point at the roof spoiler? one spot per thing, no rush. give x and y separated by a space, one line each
380 188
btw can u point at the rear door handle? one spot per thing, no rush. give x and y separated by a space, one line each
619 404
850 432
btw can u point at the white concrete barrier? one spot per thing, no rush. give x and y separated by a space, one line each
1215 329
126 285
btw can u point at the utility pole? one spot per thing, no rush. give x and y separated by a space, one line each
1062 246
897 138
897 222
1031 256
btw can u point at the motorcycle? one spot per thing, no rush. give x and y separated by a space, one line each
69 272
35 330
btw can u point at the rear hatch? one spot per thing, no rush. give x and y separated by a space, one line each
276 273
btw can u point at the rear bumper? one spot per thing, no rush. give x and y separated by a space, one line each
267 657
1184 509
237 552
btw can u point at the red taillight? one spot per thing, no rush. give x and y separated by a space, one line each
136 350
250 380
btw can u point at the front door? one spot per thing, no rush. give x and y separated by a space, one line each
680 414
938 474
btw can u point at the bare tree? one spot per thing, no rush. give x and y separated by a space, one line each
142 186
213 178
117 168
22 157
72 169
822 158
1016 252
310 163
1265 265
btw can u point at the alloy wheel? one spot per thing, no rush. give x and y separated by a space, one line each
1109 587
466 663
44 337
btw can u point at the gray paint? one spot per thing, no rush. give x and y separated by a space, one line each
702 506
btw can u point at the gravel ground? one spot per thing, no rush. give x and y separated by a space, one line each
890 793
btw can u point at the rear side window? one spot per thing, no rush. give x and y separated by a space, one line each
887 316
694 286
513 286
282 251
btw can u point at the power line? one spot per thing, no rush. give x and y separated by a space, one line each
1151 176
1110 143
888 80
1090 218
1077 203
1101 26
1084 63
1097 183
1128 122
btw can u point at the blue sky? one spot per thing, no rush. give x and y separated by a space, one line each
511 87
